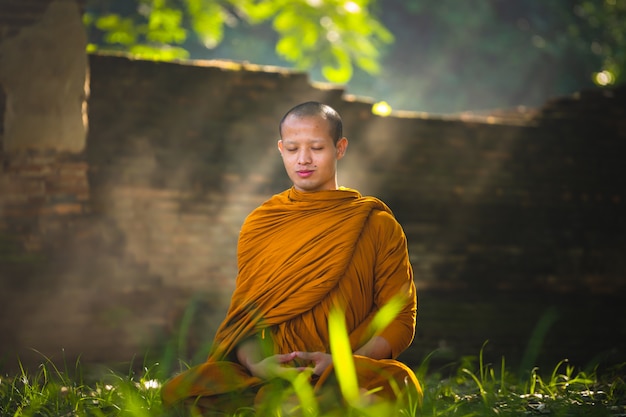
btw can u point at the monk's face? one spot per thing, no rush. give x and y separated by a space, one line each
309 154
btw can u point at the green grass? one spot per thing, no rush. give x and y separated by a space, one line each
468 387
479 389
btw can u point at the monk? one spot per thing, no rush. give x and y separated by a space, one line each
305 251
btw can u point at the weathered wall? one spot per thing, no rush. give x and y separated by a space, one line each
42 71
44 186
510 221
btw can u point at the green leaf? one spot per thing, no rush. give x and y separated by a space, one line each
310 33
208 23
285 21
107 22
117 30
342 356
158 54
302 386
387 313
288 47
88 19
342 71
259 11
164 26
368 65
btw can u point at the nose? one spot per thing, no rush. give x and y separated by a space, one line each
304 157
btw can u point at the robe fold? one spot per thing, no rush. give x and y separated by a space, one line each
300 255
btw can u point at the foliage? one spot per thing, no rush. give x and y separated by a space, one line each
337 34
54 392
481 389
485 54
471 387
606 20
439 56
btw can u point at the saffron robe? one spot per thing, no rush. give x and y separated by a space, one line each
299 255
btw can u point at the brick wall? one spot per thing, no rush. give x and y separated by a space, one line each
508 218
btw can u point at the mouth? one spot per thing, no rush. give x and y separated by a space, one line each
304 173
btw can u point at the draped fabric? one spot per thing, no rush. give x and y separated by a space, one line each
300 255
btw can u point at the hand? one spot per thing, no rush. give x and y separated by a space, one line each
271 367
320 360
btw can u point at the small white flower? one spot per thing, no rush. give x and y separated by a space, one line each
151 384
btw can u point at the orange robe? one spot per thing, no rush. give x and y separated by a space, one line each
300 254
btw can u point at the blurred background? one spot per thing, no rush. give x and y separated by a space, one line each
435 56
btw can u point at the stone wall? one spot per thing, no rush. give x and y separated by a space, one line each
127 245
504 206
43 75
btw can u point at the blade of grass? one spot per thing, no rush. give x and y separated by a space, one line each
341 352
387 313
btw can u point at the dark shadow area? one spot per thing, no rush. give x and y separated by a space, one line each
3 107
528 329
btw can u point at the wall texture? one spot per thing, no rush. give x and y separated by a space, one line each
516 222
43 74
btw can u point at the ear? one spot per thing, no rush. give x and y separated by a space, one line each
342 146
280 146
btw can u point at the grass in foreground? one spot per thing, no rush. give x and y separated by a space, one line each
470 387
466 388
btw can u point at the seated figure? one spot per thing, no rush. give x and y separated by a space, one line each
303 252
